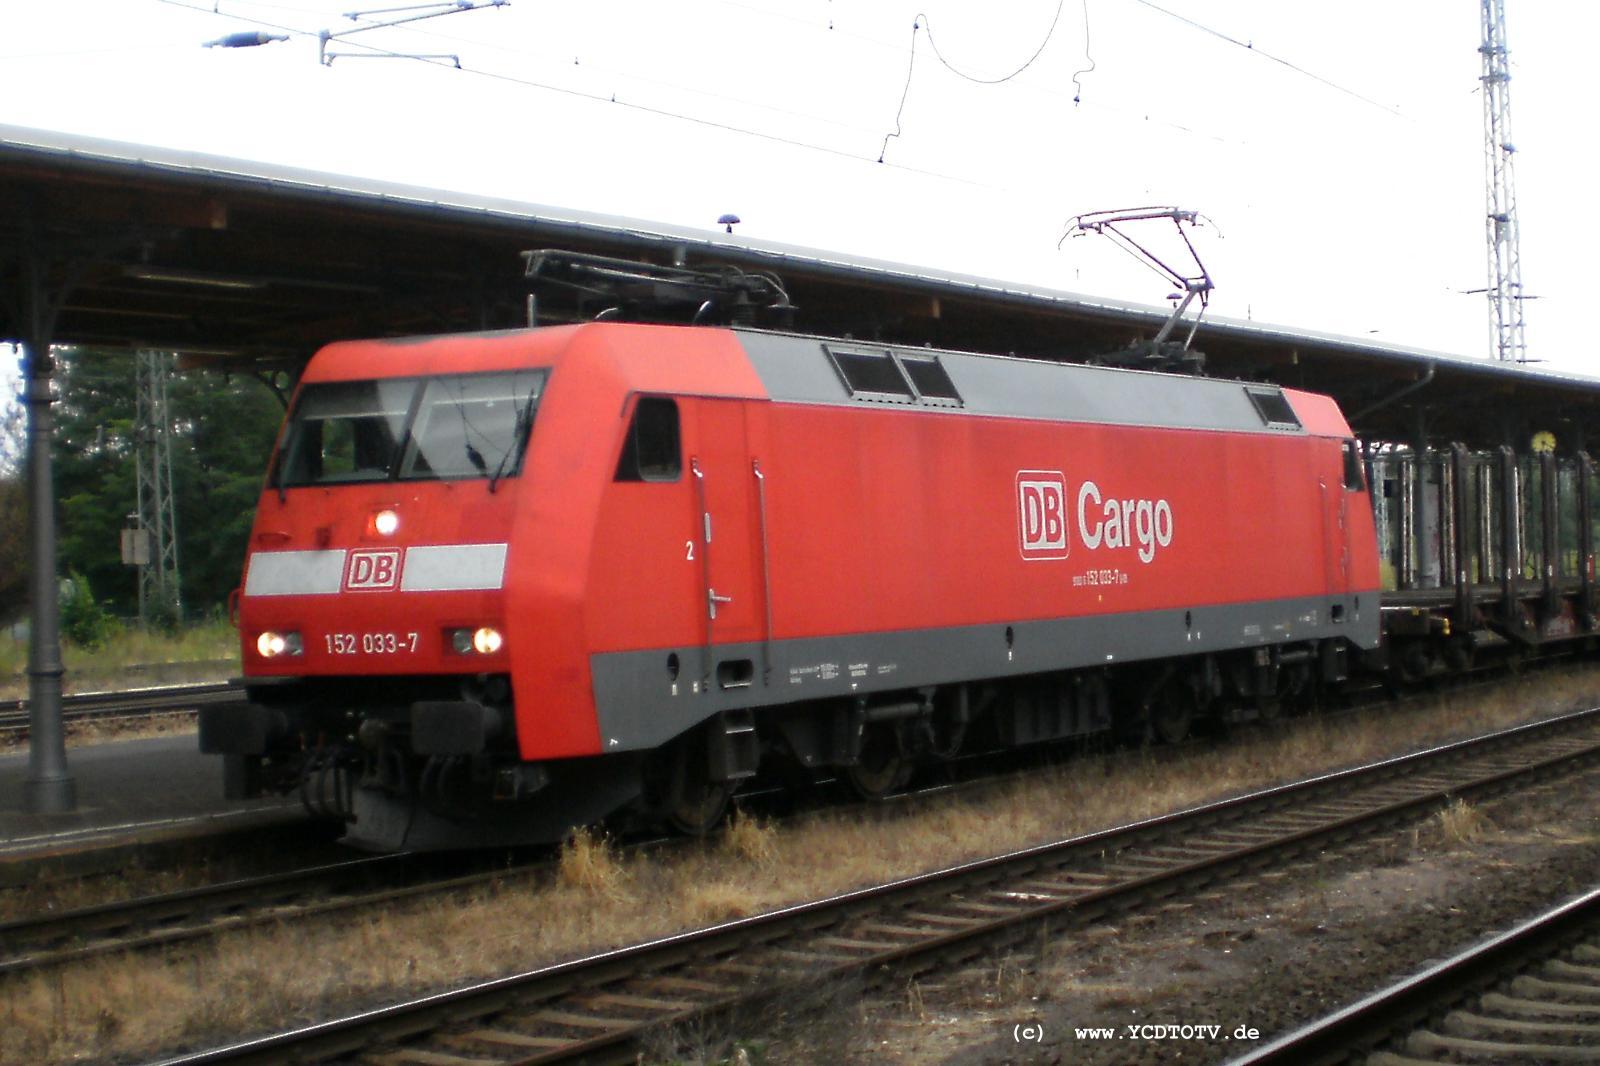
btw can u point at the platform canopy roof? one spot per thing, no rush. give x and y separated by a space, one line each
249 265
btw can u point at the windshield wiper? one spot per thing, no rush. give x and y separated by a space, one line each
519 437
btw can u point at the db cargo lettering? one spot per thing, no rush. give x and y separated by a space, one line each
1113 523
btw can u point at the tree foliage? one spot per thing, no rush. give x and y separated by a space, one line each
13 546
13 508
223 431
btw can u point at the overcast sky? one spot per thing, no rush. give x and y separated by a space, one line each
1340 158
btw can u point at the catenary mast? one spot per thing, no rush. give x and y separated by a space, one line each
1507 342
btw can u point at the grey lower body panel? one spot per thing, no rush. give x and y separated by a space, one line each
641 704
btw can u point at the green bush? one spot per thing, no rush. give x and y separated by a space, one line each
84 621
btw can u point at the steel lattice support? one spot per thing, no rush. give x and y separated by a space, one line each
1505 259
158 579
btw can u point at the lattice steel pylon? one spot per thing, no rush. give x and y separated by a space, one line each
158 579
1507 342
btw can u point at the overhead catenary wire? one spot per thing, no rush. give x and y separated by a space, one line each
923 24
911 67
613 97
927 23
1077 75
592 97
875 42
1249 46
498 46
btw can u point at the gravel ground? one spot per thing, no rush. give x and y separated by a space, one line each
1269 953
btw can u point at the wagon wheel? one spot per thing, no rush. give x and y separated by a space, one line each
881 770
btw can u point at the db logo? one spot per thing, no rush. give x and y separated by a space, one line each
1042 514
372 570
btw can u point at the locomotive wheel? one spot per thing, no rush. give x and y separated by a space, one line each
881 770
1172 714
679 792
699 809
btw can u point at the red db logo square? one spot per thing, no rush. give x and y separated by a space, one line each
372 570
1042 514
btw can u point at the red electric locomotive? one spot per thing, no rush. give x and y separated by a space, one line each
503 584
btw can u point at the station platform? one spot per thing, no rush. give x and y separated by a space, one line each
133 792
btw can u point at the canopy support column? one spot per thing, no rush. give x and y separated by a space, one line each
49 787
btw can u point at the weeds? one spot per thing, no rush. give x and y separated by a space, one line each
751 839
720 901
130 1007
589 862
916 1006
1462 823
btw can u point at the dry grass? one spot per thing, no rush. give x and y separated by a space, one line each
29 899
605 898
719 901
590 863
1462 823
752 839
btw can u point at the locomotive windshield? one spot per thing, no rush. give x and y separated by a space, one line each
409 429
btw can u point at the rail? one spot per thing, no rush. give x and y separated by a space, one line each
113 706
603 1007
1527 1017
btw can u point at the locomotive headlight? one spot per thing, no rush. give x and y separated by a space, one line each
271 644
485 640
385 522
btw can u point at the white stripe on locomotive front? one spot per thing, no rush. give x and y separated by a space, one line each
312 573
426 568
454 568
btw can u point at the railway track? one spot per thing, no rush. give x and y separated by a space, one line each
608 1006
117 706
171 919
1529 995
190 915
174 918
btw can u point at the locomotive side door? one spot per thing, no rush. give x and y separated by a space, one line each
726 541
1336 516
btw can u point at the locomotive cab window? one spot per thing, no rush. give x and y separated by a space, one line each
1274 408
450 426
651 449
470 426
345 431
